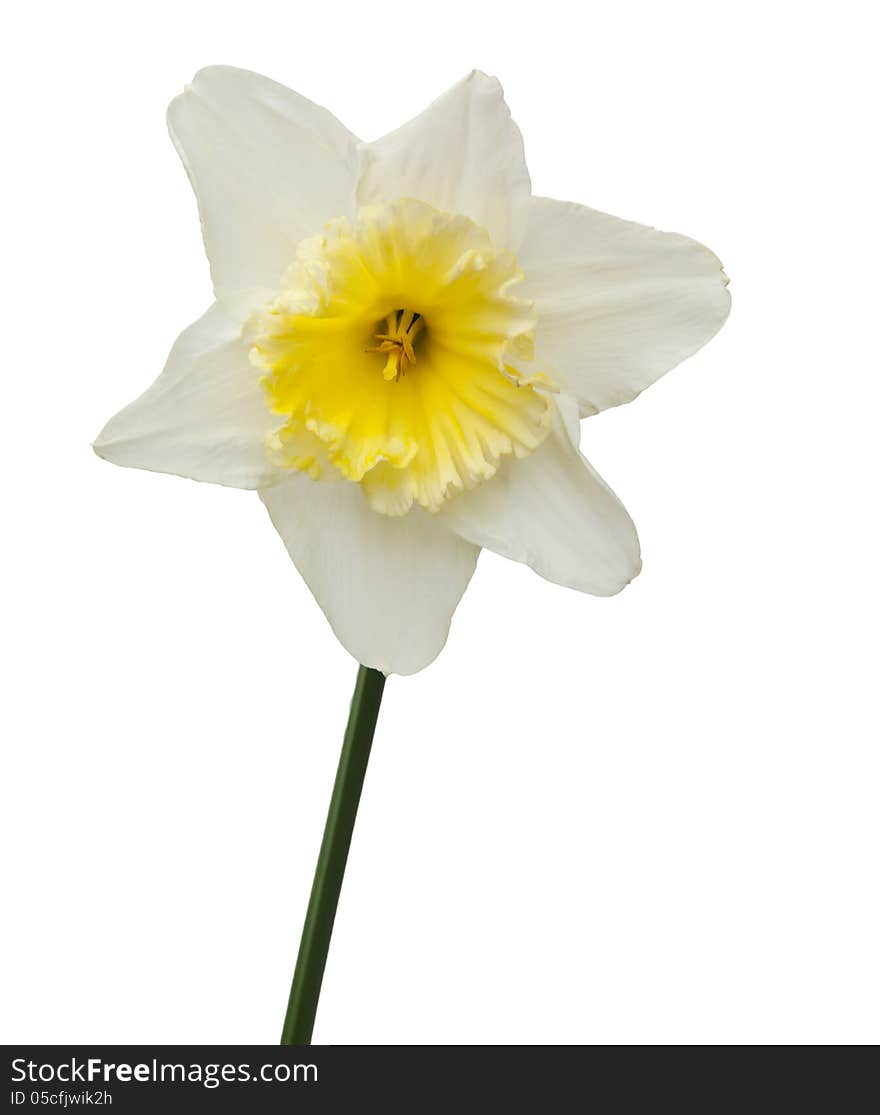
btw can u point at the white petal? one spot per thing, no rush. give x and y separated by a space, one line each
619 303
204 417
553 512
268 168
463 154
387 585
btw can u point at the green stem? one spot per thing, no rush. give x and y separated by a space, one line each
303 1003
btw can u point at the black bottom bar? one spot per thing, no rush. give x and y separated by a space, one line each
414 1079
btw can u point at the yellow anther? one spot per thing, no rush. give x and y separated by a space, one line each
402 327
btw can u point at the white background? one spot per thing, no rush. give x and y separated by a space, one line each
650 819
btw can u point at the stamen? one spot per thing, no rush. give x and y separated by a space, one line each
402 327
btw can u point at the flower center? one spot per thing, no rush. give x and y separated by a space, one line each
399 331
405 438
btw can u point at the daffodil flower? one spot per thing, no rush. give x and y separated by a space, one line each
402 344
